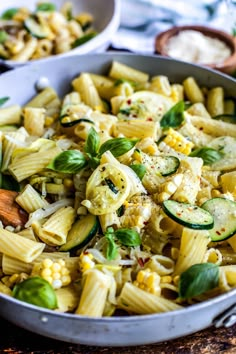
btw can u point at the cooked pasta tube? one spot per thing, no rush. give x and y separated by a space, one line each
137 128
30 200
34 119
85 87
55 230
43 98
67 299
32 163
135 300
94 294
10 115
27 51
19 247
215 101
212 126
122 71
193 248
192 90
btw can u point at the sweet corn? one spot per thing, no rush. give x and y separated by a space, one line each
136 213
168 188
11 280
148 281
86 261
55 272
178 142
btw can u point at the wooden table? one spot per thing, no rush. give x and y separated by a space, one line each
15 340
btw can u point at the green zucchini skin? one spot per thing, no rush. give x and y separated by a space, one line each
81 233
33 26
224 213
188 215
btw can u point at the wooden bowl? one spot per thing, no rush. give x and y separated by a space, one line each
228 66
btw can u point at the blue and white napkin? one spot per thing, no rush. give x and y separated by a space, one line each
142 20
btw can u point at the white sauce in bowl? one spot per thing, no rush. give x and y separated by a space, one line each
195 47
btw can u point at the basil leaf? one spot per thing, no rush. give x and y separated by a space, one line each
117 146
3 100
36 291
70 161
128 237
208 155
111 251
122 81
174 117
9 183
139 169
46 6
3 36
92 143
198 279
84 39
8 14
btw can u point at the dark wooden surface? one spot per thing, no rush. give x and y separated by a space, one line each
15 340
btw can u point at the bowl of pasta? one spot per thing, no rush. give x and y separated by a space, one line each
41 30
117 202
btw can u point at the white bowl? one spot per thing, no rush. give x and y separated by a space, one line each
106 22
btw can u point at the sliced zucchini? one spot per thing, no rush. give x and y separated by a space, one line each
81 233
145 105
188 215
224 213
166 165
35 28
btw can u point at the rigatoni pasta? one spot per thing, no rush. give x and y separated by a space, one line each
124 180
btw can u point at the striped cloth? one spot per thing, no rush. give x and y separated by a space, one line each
142 20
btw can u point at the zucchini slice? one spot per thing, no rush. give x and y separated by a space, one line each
166 165
81 233
188 215
35 28
224 213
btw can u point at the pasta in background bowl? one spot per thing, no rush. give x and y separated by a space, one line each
40 30
119 169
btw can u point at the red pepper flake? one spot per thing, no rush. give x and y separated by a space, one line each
201 128
150 119
129 101
179 214
218 233
140 262
223 229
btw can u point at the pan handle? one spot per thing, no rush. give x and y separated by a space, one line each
226 318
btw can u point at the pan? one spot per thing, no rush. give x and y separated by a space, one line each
119 330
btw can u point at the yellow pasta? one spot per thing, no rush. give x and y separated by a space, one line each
19 247
98 179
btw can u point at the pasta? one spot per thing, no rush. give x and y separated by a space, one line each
123 184
46 31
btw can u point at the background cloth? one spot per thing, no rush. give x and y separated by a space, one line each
142 20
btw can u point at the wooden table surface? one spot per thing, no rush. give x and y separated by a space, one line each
15 340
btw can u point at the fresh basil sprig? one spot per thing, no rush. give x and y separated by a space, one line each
198 279
3 36
3 100
46 6
208 155
174 117
8 14
92 143
36 291
117 146
126 237
69 161
139 169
